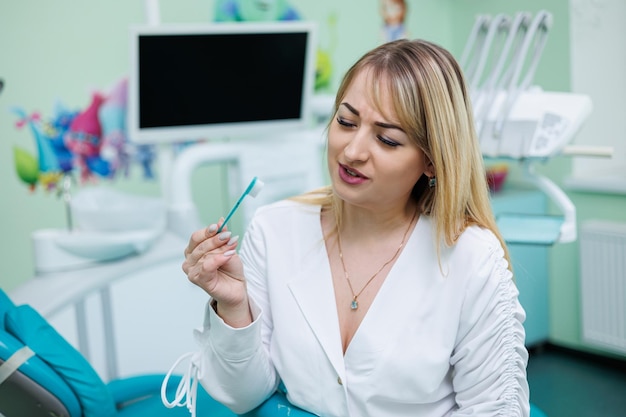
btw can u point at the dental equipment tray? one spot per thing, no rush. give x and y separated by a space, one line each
530 229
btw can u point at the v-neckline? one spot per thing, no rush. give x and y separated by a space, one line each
363 323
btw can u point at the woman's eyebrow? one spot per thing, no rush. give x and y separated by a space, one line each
388 126
352 109
384 125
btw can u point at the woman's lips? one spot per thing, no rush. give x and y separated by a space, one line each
351 175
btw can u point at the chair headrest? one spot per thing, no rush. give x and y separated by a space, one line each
29 327
5 305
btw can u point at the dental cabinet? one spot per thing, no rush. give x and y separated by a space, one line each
530 262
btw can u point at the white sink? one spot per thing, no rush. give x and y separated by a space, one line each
59 249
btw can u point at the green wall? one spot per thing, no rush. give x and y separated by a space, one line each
64 50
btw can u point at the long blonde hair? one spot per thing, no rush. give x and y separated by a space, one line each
431 102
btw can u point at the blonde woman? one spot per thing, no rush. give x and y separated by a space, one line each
388 293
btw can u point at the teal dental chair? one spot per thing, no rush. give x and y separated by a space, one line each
41 374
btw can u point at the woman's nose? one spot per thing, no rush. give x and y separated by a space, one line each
357 149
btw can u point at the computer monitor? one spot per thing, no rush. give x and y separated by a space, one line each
220 80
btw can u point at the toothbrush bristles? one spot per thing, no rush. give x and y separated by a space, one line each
258 185
252 190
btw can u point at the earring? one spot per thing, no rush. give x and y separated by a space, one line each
432 181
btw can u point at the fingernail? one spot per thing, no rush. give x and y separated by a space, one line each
224 235
212 228
229 253
233 240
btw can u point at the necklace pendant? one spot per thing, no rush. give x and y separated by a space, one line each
354 304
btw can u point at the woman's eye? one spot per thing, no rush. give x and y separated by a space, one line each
387 142
344 122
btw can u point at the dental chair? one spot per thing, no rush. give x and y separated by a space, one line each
41 374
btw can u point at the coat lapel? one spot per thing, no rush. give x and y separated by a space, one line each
314 293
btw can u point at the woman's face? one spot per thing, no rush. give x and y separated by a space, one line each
371 160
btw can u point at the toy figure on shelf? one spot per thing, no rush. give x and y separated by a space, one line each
112 117
26 167
94 141
254 11
394 14
55 130
84 140
117 149
44 169
323 64
145 155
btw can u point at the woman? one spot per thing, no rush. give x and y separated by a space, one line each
388 293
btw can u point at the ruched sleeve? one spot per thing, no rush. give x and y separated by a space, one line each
489 360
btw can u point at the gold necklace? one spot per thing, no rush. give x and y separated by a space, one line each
354 304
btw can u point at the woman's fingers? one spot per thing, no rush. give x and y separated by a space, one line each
205 244
201 235
215 243
207 251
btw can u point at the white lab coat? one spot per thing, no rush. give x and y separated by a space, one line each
440 339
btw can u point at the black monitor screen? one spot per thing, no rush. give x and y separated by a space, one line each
199 79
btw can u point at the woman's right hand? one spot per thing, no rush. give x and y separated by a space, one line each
212 264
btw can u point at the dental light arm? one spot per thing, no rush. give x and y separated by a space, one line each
499 76
182 214
537 35
558 197
288 161
474 45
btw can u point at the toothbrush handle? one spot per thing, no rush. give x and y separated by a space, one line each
247 191
230 214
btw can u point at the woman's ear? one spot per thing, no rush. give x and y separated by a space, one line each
429 168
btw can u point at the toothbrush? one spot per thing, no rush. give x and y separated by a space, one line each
253 190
